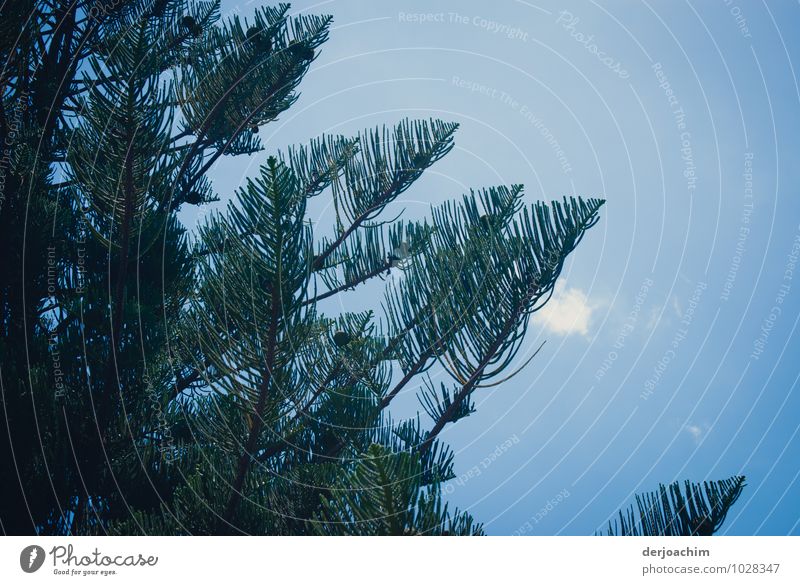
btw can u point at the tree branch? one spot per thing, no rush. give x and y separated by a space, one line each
210 119
413 371
349 285
376 204
258 422
469 385
122 276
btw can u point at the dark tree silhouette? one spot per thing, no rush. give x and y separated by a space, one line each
159 382
698 510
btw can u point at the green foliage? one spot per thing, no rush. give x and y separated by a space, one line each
698 510
159 382
385 495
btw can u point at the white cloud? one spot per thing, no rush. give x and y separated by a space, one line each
696 432
654 319
676 306
567 312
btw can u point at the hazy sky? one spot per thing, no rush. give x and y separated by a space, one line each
670 348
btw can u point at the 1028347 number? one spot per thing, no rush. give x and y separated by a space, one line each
756 568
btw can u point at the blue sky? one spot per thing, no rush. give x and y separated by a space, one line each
671 350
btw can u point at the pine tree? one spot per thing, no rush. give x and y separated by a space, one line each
161 382
112 114
698 510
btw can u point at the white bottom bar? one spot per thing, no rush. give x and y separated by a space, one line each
401 560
